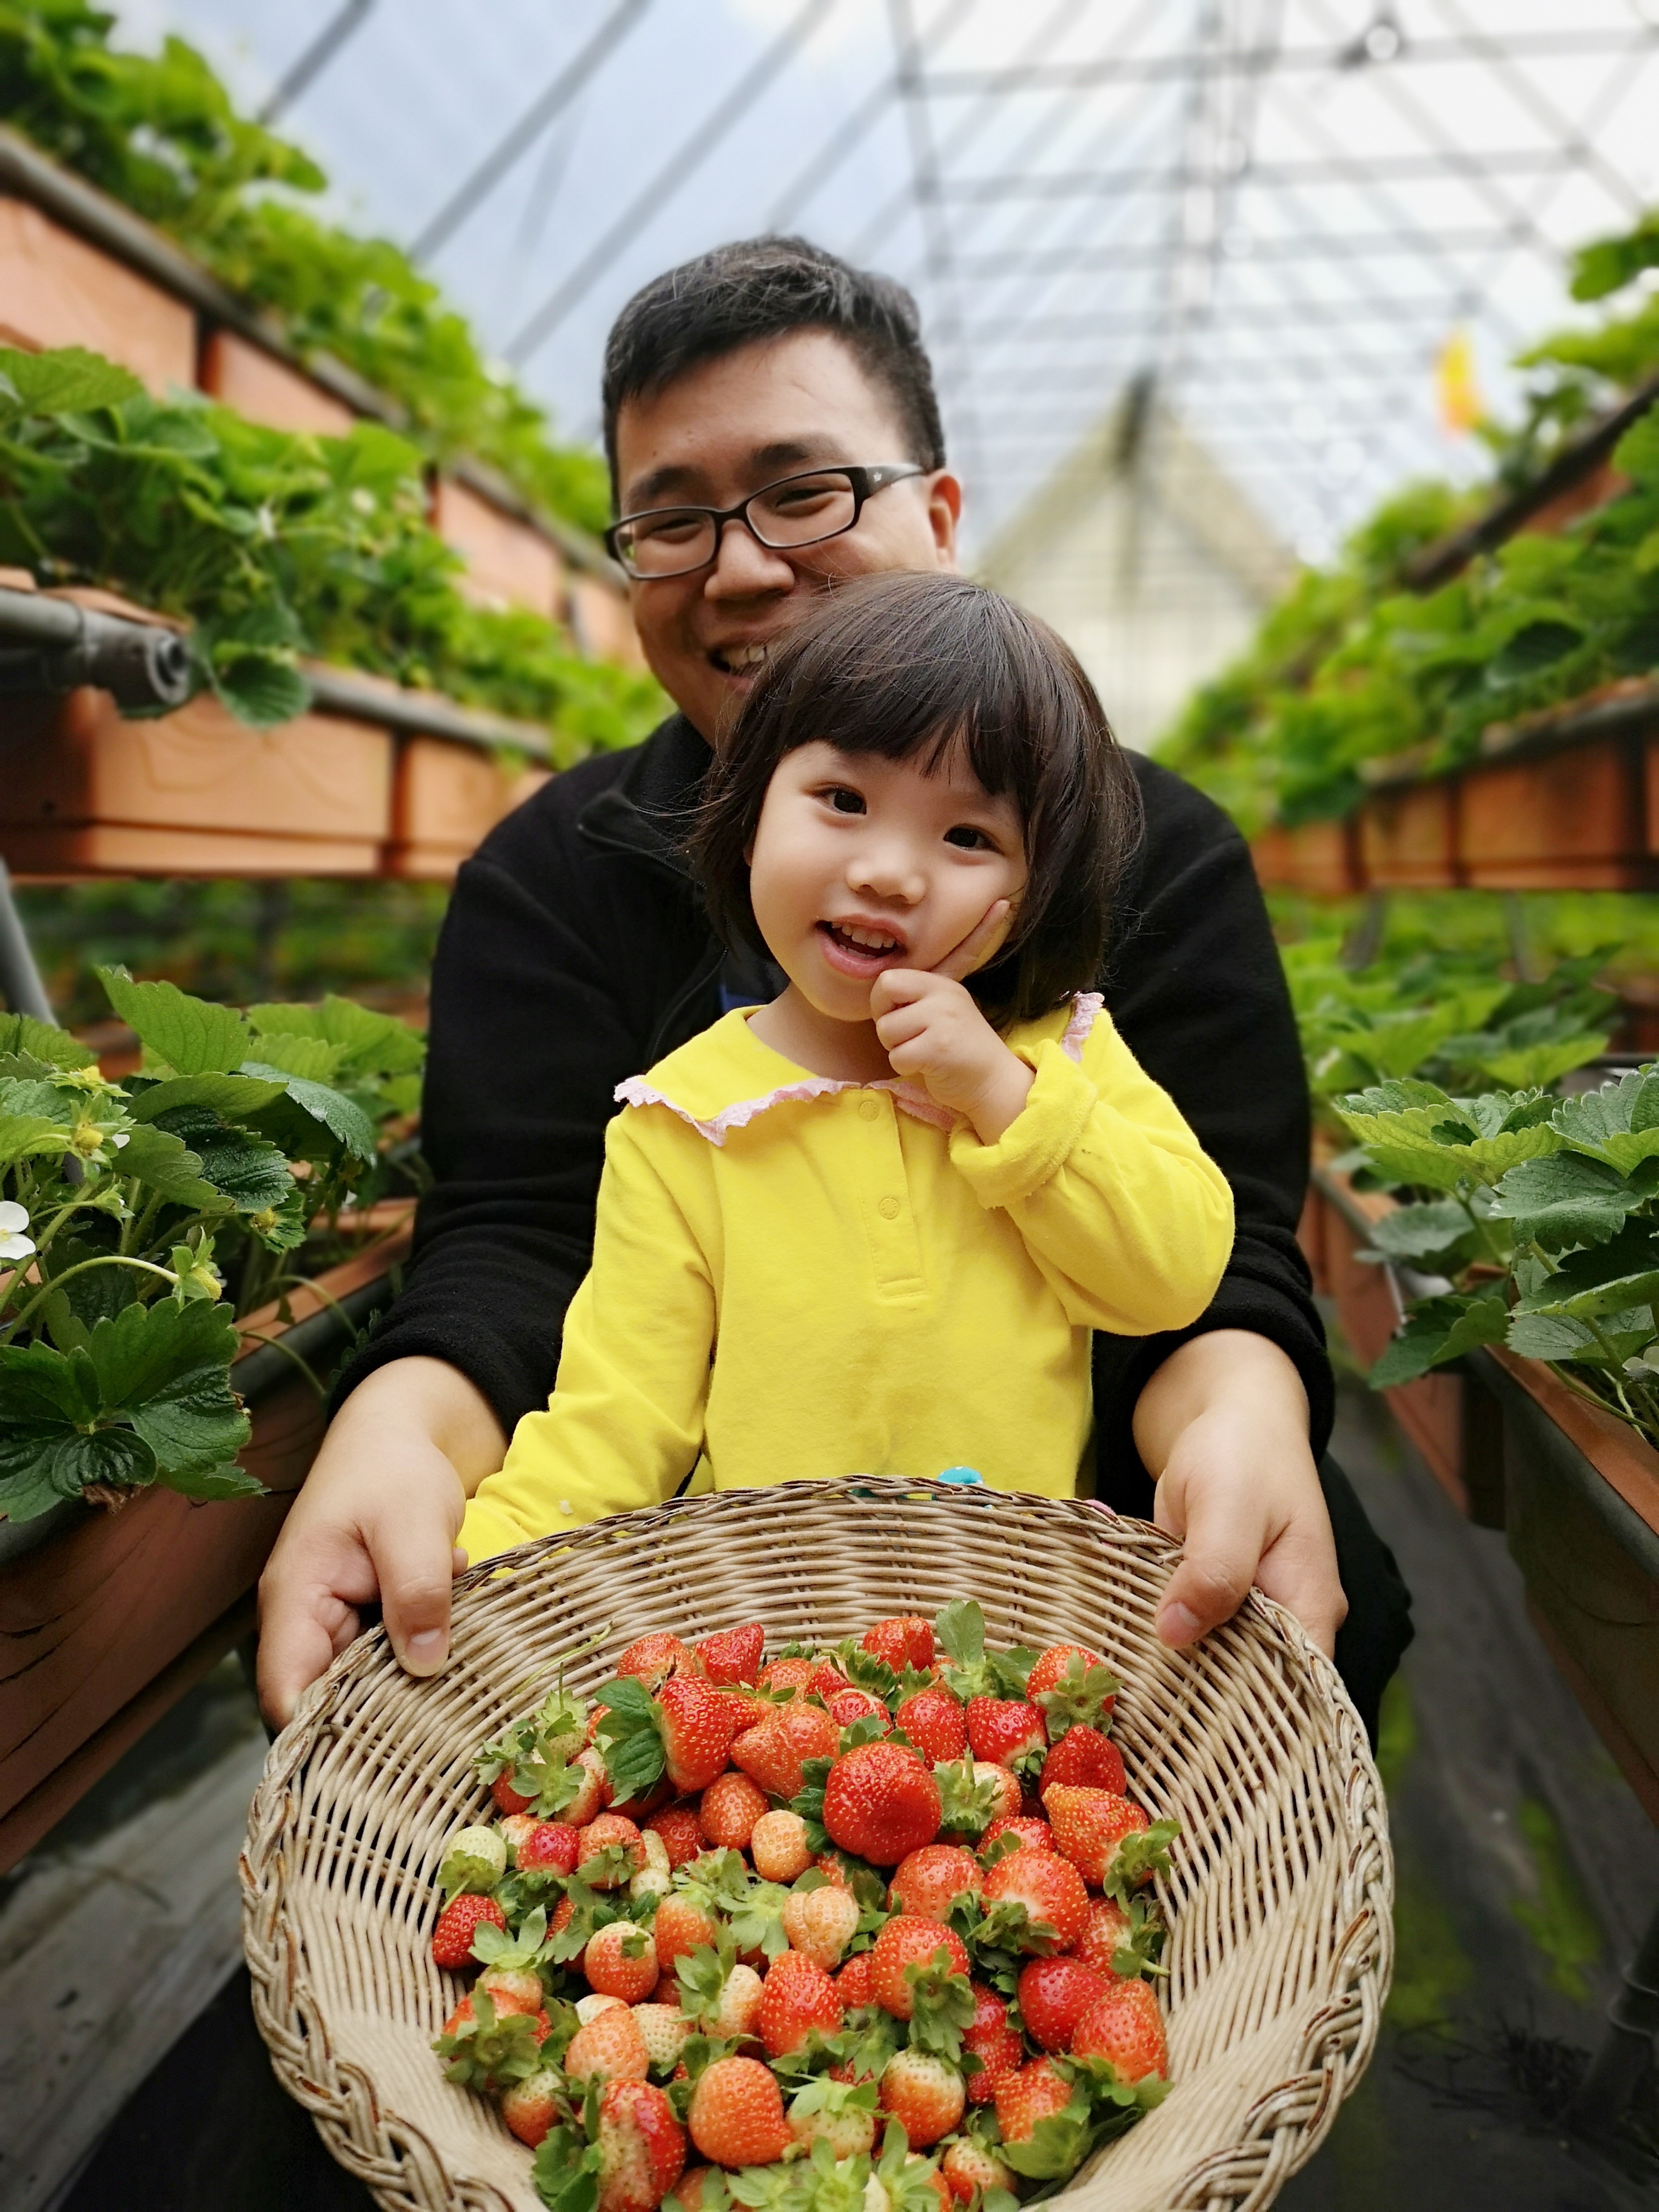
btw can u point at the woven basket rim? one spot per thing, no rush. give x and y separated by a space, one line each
1291 2116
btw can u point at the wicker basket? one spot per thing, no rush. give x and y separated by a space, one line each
1279 1898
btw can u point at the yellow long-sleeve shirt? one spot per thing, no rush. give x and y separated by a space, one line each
796 1277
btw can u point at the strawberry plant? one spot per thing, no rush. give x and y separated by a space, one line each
161 133
1539 1215
275 546
904 2018
139 1220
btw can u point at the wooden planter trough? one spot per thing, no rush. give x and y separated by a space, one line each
113 1616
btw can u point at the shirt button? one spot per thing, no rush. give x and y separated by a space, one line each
888 1208
870 1109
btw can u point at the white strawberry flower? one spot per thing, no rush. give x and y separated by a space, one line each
14 1221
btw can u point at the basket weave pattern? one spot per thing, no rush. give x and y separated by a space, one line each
1279 1898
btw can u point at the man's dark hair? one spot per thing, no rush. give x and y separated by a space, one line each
764 287
907 664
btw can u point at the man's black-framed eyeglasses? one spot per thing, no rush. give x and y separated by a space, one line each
797 510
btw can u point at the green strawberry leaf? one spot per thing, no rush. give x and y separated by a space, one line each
191 1036
1438 1330
809 1802
1569 1199
566 2172
629 1738
1146 1852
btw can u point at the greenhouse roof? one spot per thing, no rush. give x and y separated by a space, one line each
1322 228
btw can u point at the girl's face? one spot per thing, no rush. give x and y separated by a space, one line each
861 864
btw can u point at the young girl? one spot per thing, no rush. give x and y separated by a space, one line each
868 1228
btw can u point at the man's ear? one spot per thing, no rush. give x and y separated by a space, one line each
943 515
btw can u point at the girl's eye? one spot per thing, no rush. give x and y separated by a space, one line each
845 801
971 840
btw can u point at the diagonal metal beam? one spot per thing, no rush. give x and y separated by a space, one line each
504 156
304 71
1384 168
1307 246
688 157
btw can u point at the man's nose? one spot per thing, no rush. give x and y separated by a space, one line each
743 566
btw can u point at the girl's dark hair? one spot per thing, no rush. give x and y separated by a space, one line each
907 664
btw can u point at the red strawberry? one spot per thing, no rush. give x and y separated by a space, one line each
751 1708
691 2185
1000 2049
904 1942
507 1798
452 1939
551 1847
609 2049
968 2169
1007 1732
1051 1891
1033 2093
797 1997
681 1831
736 2114
907 1642
772 1754
512 1989
697 1726
641 2147
530 2107
1107 1928
788 1674
680 1925
1053 1996
654 1658
1088 1825
924 2093
925 1883
1050 1665
733 1656
934 1721
778 1845
849 1705
1083 1759
853 1981
621 1961
728 1810
880 1802
611 1831
1125 2027
1029 1834
594 1790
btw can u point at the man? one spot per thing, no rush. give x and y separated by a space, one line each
575 954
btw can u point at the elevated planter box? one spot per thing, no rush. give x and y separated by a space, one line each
83 792
1582 1494
56 289
256 384
447 800
1570 820
1408 837
108 1621
1320 857
509 561
601 620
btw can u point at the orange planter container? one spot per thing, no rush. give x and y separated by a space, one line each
449 798
57 290
1321 857
267 390
194 794
508 564
1576 820
1408 838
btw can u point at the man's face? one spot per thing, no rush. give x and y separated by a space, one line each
723 430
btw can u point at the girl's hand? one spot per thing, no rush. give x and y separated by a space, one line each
933 1030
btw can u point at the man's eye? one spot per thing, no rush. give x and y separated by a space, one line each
971 840
845 801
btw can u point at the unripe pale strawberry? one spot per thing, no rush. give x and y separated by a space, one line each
609 2048
968 2167
642 2146
531 2106
821 1923
778 1845
730 1810
512 1989
515 1828
665 2029
835 2112
925 2094
594 1792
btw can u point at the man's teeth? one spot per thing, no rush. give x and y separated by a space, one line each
744 656
872 940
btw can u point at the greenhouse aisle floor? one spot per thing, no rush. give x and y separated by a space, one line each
1526 1872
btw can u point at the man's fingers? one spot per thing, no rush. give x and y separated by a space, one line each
1223 1547
416 1565
981 942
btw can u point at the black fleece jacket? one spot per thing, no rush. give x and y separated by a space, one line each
575 954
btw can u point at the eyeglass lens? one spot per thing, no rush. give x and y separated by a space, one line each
797 512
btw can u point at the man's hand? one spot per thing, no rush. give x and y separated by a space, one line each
932 1029
377 1517
1224 1425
